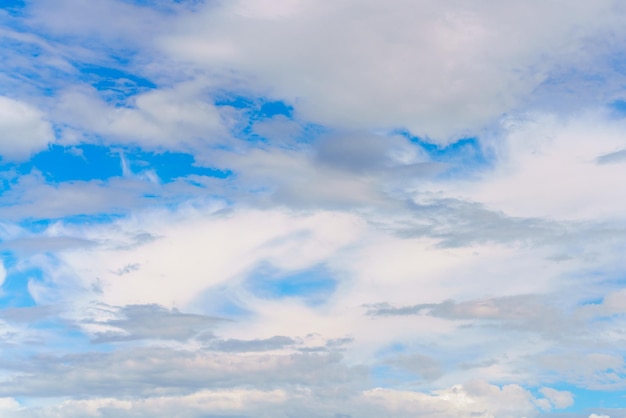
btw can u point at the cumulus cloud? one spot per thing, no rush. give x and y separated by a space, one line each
558 398
173 119
450 71
24 129
476 399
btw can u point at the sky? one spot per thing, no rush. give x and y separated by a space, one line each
313 209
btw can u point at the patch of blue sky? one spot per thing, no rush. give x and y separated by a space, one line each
464 156
387 376
618 107
592 301
115 85
230 309
221 301
273 108
167 6
314 286
172 165
391 349
84 162
8 4
15 292
13 7
587 399
88 162
256 109
35 226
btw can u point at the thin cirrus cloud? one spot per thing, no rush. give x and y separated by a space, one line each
318 209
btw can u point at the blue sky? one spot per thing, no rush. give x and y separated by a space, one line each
277 208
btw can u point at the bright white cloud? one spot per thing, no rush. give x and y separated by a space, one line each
476 399
196 250
548 166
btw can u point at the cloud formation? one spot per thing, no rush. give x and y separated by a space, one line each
272 208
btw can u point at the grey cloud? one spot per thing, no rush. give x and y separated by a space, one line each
140 322
127 269
385 309
31 197
27 314
332 345
165 371
279 129
478 365
363 153
340 171
458 223
503 308
528 313
426 367
268 344
339 342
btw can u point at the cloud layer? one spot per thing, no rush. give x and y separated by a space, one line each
279 208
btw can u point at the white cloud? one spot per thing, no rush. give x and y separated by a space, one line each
196 250
8 404
442 70
367 207
199 259
173 119
193 405
23 129
475 399
547 166
109 21
558 398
